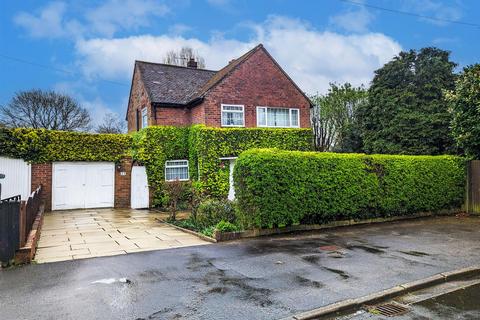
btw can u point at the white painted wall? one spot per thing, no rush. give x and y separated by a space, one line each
139 188
231 190
18 175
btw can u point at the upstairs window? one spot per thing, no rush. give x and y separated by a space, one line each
278 117
233 115
144 117
176 170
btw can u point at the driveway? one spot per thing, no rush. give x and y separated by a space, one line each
79 234
264 278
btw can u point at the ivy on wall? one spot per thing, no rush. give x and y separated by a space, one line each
203 147
210 144
40 145
153 146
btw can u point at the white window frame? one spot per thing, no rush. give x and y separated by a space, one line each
177 166
144 110
265 108
232 105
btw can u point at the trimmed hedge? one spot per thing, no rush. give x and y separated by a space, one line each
281 188
208 145
40 145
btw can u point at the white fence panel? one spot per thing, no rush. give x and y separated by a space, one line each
18 175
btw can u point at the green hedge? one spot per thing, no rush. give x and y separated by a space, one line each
278 188
208 145
40 145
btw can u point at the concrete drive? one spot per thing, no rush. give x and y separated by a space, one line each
79 234
264 278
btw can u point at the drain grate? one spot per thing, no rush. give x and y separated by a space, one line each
389 309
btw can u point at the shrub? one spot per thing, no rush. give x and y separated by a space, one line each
278 188
174 190
212 211
225 226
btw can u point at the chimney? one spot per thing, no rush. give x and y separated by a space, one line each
192 63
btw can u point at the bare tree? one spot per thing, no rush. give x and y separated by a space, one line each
44 109
181 58
111 124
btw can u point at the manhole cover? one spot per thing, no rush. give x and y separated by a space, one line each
389 309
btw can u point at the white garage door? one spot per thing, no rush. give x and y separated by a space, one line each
78 185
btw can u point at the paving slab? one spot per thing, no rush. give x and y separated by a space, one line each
81 234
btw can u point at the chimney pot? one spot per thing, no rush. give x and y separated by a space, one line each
192 63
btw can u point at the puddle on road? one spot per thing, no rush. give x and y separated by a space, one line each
341 273
367 249
415 253
111 280
308 282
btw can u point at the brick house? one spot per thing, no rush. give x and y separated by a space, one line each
251 91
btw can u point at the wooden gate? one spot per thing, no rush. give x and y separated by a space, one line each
472 202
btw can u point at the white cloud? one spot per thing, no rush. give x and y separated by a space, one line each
105 20
178 29
48 22
87 96
115 15
435 9
312 58
353 21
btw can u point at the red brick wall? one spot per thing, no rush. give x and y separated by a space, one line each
256 82
198 114
173 116
122 184
42 175
138 99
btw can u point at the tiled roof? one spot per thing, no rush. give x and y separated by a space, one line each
172 84
175 85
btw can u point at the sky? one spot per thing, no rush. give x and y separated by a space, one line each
87 49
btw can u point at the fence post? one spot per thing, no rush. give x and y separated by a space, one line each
472 201
23 223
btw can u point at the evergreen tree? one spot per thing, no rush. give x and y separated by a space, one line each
407 111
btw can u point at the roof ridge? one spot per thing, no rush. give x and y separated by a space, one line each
227 69
174 66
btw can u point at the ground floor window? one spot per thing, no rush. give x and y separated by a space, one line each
176 170
278 117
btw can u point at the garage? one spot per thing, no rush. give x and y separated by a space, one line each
80 185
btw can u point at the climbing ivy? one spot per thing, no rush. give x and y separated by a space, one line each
40 145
